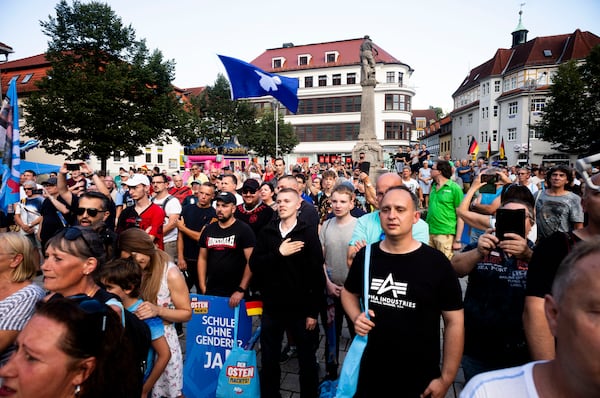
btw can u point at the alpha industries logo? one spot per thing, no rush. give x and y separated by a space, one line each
385 285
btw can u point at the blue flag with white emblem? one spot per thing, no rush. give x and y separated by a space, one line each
10 148
248 81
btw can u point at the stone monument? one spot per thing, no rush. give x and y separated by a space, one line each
367 139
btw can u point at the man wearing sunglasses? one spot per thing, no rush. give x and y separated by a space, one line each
253 212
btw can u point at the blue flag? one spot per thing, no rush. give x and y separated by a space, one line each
248 81
9 144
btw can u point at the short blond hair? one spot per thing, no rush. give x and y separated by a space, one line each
14 243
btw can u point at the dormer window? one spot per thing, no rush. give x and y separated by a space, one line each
278 62
331 56
304 59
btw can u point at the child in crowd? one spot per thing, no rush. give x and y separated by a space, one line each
123 277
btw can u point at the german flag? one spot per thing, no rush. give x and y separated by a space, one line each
473 147
502 149
254 308
489 150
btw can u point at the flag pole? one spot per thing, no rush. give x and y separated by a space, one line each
276 129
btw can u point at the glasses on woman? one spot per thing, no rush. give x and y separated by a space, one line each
73 233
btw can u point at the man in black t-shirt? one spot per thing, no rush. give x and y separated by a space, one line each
253 212
194 217
410 285
225 248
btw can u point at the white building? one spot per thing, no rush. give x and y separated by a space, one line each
328 117
500 98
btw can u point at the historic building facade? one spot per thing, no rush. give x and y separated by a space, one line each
503 98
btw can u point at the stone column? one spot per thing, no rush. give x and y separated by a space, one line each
367 139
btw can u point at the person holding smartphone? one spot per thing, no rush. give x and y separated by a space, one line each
494 299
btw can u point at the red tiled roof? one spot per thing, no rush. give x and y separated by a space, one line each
37 65
576 45
348 51
193 91
428 114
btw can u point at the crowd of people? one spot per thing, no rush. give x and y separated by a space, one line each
121 254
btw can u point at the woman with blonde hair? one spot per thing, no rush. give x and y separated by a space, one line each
166 296
18 294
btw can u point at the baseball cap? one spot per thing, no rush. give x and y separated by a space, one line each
250 185
196 182
136 180
226 197
50 181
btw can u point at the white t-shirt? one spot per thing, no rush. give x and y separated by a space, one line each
514 382
172 207
411 184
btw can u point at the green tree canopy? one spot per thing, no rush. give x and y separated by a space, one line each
105 91
571 117
219 117
262 139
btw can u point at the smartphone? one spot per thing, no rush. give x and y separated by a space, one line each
510 220
73 166
490 183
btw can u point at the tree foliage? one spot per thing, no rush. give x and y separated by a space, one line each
439 112
219 117
262 139
105 91
571 117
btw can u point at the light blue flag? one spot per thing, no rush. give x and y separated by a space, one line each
11 156
248 81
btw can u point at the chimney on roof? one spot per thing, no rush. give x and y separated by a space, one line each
519 35
288 45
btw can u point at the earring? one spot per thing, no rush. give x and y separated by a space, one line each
77 389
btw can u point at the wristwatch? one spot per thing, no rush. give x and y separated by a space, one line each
240 289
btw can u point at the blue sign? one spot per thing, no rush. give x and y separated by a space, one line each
209 340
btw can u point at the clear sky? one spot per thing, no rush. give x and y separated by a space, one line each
440 39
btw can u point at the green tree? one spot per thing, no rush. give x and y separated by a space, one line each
571 118
439 112
262 139
105 91
219 117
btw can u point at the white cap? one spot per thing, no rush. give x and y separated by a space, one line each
136 180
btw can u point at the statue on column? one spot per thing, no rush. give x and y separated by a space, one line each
367 61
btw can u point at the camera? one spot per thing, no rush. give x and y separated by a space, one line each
73 166
37 192
489 178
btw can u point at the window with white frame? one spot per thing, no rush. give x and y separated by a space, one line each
394 102
470 118
322 80
351 78
400 78
496 86
535 134
513 108
494 135
336 79
308 81
538 104
277 63
512 134
331 56
390 77
303 59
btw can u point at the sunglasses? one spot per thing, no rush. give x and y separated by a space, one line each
73 233
92 212
247 191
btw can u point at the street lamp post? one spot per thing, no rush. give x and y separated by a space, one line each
531 87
